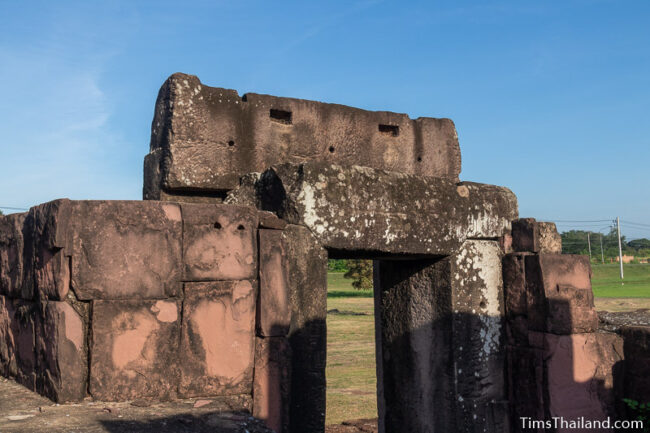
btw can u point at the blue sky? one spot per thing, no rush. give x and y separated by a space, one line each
550 98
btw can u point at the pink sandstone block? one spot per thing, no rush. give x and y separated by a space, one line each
62 356
218 338
219 242
134 349
559 294
11 254
106 249
271 386
126 250
274 309
579 374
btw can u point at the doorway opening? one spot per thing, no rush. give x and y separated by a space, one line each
351 372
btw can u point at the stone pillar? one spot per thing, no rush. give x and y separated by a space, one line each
477 335
414 367
271 389
307 282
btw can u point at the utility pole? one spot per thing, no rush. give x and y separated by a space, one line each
620 249
602 255
589 243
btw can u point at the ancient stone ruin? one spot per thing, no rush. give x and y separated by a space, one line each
215 284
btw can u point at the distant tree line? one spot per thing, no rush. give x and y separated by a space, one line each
575 242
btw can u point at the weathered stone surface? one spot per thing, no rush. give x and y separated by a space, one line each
115 258
49 247
514 281
559 295
219 242
268 220
219 136
62 353
218 338
11 254
529 235
525 386
24 321
636 347
7 345
361 209
271 389
415 365
274 309
105 249
134 349
580 371
479 356
307 279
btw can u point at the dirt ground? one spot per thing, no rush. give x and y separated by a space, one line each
357 426
22 411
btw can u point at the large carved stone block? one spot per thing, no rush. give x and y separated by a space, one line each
274 309
105 249
529 235
219 242
559 295
219 136
359 208
62 352
218 338
134 350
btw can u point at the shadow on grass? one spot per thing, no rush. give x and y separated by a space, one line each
350 294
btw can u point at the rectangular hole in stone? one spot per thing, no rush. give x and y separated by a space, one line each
389 129
280 116
351 357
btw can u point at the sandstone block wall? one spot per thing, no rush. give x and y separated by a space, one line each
219 136
125 300
559 363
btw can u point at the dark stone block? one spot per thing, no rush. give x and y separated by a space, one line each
12 255
559 294
416 364
307 279
533 236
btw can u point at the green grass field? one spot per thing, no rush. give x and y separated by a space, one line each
351 377
606 281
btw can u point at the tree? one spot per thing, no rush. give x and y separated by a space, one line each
361 272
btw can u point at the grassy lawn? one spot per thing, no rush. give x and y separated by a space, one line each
351 376
606 281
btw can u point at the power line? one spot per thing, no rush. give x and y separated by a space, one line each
13 208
